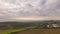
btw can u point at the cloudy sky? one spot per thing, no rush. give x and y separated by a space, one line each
29 10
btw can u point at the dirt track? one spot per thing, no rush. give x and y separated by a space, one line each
41 31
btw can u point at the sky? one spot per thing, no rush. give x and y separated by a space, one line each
17 10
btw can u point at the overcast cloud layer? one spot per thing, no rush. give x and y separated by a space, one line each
24 8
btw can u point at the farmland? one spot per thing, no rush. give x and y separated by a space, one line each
36 27
32 31
41 31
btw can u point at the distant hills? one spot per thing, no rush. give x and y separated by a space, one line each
15 24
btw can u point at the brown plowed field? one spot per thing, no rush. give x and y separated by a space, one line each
41 31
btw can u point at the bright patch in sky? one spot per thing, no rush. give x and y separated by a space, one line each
10 9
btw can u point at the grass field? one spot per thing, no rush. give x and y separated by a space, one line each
31 30
41 31
13 31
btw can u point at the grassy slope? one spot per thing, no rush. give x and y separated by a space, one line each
18 30
23 29
41 31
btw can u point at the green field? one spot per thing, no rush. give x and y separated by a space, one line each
13 31
41 31
18 27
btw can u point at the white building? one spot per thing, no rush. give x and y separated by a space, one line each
53 25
